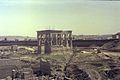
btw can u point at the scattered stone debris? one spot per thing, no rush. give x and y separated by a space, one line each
87 65
72 72
45 67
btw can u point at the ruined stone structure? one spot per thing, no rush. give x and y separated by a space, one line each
116 36
51 40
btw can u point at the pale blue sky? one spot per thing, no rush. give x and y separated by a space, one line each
25 17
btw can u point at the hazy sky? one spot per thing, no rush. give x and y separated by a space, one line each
25 17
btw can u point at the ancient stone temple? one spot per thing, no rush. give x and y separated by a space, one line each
51 40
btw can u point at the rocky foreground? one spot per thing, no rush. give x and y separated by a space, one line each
83 66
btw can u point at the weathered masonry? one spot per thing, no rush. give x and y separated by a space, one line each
116 36
51 40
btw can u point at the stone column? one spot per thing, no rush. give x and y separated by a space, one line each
51 39
60 39
47 44
39 43
70 37
65 40
56 39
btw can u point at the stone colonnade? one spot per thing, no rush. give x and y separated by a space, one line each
56 38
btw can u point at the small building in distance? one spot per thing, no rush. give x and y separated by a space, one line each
116 36
51 40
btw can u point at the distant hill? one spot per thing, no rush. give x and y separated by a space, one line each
13 38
